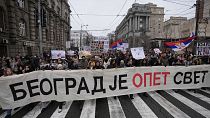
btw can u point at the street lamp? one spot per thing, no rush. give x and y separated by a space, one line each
80 43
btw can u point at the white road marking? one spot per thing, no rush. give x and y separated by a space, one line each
205 112
115 108
207 91
65 109
168 106
36 110
88 110
198 95
142 108
13 112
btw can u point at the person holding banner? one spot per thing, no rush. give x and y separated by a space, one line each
99 65
60 66
114 65
83 63
91 64
164 60
8 72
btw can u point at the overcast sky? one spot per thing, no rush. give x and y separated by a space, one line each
113 7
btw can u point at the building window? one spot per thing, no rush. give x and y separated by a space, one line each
140 25
68 20
21 3
2 19
136 8
58 10
159 19
52 4
66 17
209 12
141 19
22 28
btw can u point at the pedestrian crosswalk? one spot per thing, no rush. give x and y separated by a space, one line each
168 103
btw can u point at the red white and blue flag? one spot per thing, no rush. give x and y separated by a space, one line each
117 44
181 44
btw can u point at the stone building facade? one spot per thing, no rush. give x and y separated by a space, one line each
142 23
178 27
206 12
19 27
172 27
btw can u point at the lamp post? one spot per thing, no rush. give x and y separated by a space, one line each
40 29
80 43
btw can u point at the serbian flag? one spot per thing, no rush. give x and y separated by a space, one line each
117 44
181 44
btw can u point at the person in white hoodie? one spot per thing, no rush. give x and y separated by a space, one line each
106 63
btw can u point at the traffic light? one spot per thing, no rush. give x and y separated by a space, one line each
44 17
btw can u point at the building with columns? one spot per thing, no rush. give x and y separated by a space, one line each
19 32
142 23
179 27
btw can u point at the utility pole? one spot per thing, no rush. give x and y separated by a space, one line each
198 16
80 39
196 25
40 29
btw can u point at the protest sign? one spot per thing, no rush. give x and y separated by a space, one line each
125 46
138 53
157 50
85 54
87 48
70 52
203 48
97 47
56 54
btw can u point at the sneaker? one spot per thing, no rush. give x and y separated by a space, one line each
59 110
145 94
131 98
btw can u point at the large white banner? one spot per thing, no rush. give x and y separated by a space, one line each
65 85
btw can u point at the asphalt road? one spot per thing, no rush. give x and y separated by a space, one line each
162 104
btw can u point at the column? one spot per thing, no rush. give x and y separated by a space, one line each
130 24
12 26
32 23
136 23
51 27
147 23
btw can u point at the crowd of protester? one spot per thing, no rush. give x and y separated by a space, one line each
114 59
